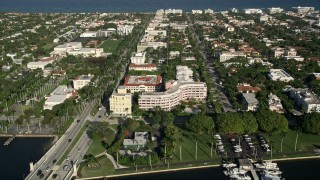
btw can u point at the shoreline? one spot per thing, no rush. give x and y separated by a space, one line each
29 135
187 168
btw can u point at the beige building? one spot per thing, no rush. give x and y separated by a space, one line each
147 83
121 102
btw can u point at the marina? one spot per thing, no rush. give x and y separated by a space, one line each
249 169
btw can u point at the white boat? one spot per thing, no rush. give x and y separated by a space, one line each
229 165
273 172
237 171
240 177
268 165
270 177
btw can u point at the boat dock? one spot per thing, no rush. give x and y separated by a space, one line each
9 140
247 165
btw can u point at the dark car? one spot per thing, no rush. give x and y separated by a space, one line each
69 140
54 161
41 176
54 176
78 120
39 172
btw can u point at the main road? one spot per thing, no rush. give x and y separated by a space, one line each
49 160
227 106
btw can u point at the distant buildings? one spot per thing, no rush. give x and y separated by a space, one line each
81 81
208 11
253 11
303 10
279 75
121 102
196 11
306 99
275 10
250 102
147 83
124 30
173 11
227 55
184 74
75 48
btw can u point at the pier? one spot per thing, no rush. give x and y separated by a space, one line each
9 140
247 165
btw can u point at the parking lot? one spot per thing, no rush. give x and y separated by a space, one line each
237 146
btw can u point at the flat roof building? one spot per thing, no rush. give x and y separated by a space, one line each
81 81
58 96
306 99
250 102
147 83
279 75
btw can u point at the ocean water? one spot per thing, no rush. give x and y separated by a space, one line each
15 158
143 5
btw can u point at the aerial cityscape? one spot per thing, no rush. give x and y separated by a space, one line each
167 94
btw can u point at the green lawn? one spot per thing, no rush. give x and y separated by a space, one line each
109 45
188 148
96 148
306 142
105 169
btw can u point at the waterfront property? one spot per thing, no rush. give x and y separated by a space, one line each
58 96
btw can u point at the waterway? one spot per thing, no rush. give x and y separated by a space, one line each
143 5
15 158
292 170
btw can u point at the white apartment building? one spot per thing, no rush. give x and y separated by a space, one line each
138 58
303 10
208 11
124 30
86 52
89 34
58 96
121 102
278 52
75 48
275 10
253 11
250 102
226 55
174 54
172 97
37 65
81 81
147 83
173 11
184 74
197 11
274 103
142 67
306 99
153 32
279 75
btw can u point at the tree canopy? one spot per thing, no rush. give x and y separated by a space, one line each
270 121
311 123
200 123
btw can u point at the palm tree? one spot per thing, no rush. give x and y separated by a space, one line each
283 135
180 141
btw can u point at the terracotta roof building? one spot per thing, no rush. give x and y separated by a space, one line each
147 83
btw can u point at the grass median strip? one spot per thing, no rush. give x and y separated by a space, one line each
73 143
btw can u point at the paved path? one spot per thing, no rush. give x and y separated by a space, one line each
115 164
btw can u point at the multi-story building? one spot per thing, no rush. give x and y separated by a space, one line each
196 11
121 102
226 55
75 48
138 58
275 10
306 99
279 75
143 67
124 30
148 83
253 11
250 102
303 10
208 11
173 96
274 103
81 81
173 11
278 52
37 65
